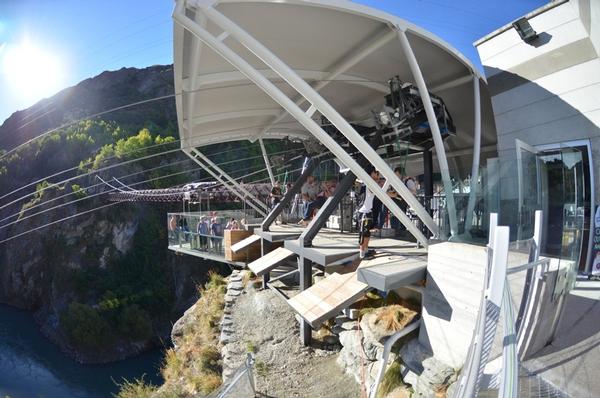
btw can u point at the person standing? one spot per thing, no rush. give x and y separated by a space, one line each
412 187
366 219
276 194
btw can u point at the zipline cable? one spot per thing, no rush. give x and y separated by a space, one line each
103 169
91 196
75 215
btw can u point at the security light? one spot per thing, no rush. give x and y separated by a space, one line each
525 30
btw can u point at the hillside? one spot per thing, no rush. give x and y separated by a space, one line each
102 285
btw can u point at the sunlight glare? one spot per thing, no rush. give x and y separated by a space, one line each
33 73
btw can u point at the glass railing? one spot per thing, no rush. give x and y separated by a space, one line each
204 231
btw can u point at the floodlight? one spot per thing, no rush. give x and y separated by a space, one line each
525 30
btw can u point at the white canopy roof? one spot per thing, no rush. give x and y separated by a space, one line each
345 50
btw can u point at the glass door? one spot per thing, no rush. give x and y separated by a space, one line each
563 202
554 181
529 180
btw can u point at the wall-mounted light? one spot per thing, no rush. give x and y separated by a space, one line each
525 30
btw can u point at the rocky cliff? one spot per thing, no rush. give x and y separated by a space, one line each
103 285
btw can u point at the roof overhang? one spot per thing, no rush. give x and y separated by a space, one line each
345 50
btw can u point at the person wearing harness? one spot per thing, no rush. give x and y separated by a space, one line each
366 220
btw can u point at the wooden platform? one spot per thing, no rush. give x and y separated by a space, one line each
270 261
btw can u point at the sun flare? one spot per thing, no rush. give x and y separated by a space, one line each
33 73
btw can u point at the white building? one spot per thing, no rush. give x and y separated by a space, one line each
545 93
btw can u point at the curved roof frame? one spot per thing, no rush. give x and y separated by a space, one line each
205 11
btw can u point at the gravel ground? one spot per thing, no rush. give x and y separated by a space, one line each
264 323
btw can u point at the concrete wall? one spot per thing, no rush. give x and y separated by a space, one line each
451 300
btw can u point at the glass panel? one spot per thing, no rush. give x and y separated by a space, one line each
530 190
573 211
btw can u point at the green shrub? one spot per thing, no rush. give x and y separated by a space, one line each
135 323
78 191
84 326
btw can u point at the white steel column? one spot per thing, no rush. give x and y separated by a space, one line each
324 108
435 128
476 155
277 95
340 67
193 153
267 163
231 180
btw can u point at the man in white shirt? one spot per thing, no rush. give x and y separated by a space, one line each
366 211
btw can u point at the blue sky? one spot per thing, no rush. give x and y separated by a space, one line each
66 41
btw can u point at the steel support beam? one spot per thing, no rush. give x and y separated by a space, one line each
191 94
428 179
317 102
281 98
329 207
305 268
193 153
289 194
434 127
340 67
267 162
234 182
476 155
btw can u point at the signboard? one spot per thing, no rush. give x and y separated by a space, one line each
596 244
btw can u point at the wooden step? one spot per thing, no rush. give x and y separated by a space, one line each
322 255
270 261
244 243
328 297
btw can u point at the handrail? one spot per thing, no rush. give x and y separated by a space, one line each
509 376
524 267
387 348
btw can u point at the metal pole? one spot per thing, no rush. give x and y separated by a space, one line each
192 153
267 163
311 126
325 211
305 269
320 104
435 129
476 155
234 182
289 195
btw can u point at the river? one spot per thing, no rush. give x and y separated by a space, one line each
31 366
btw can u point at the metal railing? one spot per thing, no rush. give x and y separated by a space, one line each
241 384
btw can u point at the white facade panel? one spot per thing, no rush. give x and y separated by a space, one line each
556 107
559 83
575 127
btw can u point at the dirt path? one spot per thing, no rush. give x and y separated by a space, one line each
264 323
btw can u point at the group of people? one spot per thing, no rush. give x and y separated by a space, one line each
208 234
314 195
373 214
